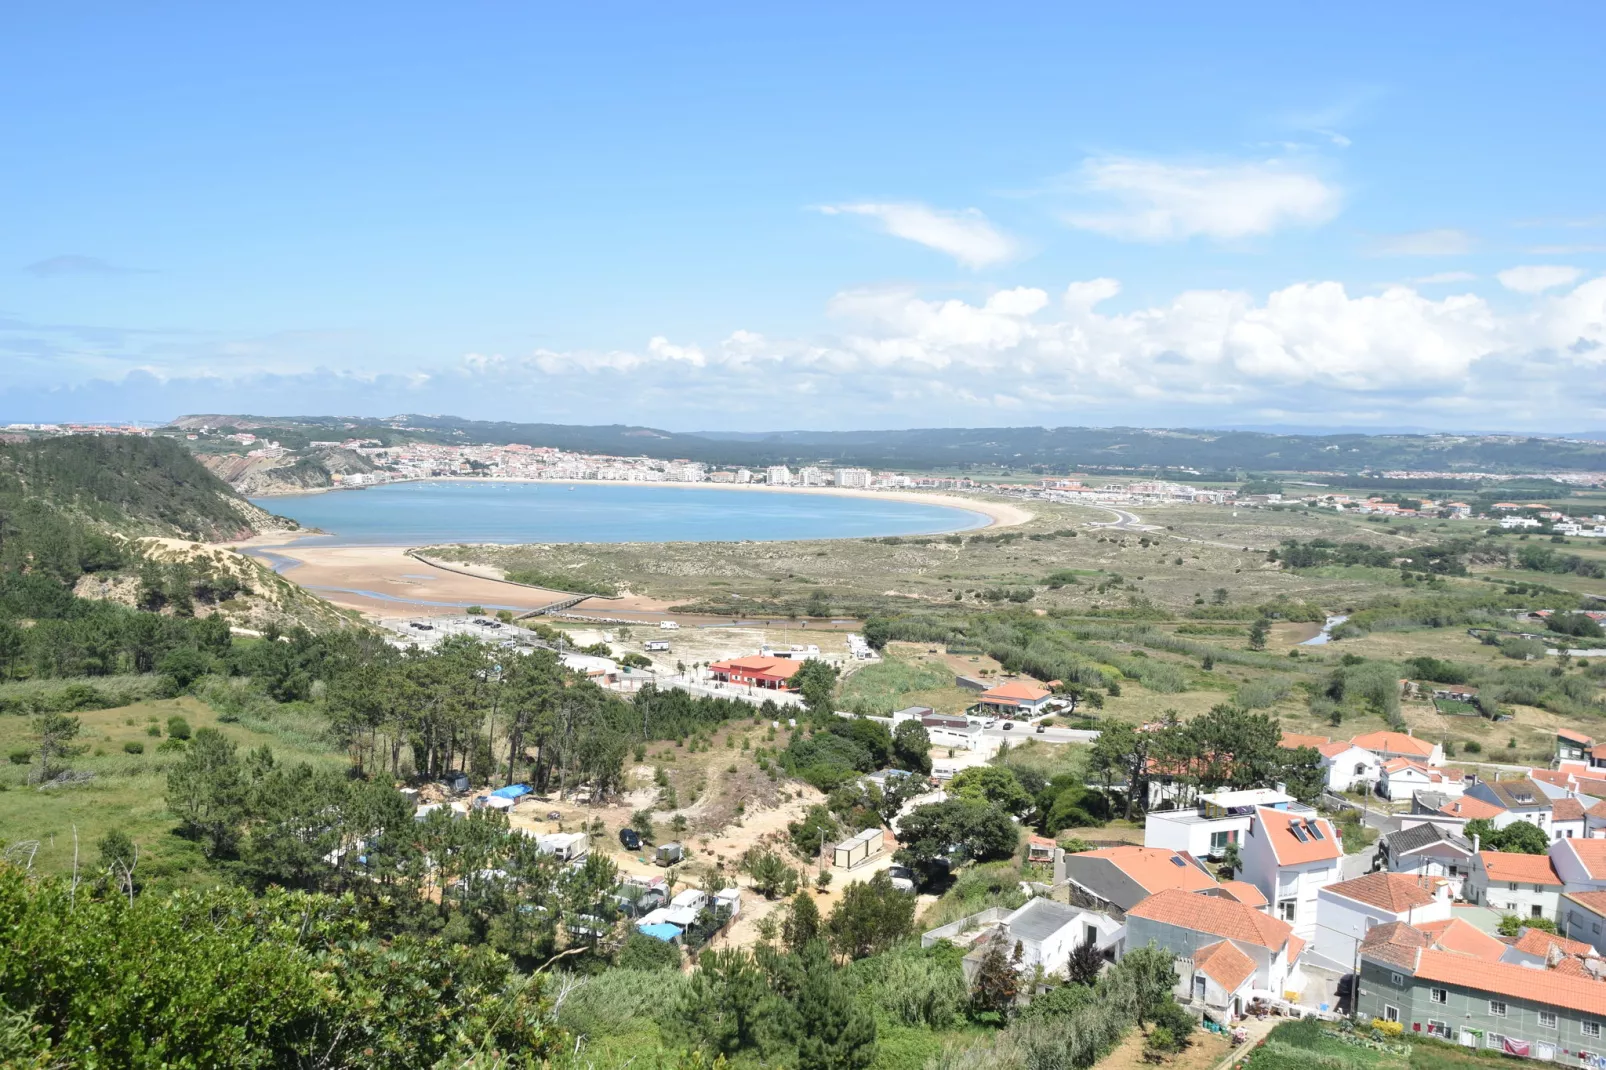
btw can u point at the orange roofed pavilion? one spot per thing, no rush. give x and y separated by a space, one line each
756 671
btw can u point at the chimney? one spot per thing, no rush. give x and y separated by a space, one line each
1474 843
1410 731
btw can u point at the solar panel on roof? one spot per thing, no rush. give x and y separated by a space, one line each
1176 860
1299 833
1315 830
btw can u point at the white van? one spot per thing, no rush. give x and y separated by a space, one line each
669 625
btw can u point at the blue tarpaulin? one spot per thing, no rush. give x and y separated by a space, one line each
662 931
512 791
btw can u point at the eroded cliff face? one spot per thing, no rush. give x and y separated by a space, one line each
261 477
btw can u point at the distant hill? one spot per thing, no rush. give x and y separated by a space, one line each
61 500
1016 448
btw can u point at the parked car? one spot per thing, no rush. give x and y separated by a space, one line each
1042 728
630 839
1009 726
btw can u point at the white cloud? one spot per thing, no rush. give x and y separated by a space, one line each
1537 278
966 236
1446 241
1089 293
1440 277
1157 202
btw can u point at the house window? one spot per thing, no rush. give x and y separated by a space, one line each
1547 1019
1511 887
1391 1014
1455 872
1497 1007
1496 1041
1437 995
1591 1029
1286 909
1594 926
1438 1029
1538 912
1396 979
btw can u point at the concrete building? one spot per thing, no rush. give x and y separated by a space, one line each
1431 851
810 477
1290 857
1344 764
778 476
1583 917
855 478
1348 910
1580 863
1015 699
1519 800
1552 1015
1190 926
1402 778
1525 885
1122 877
1220 818
1401 745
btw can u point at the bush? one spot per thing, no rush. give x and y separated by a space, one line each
178 727
168 746
642 953
21 757
133 746
154 731
620 1000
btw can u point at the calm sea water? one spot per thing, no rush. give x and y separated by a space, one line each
414 514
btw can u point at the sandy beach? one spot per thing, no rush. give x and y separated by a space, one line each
386 581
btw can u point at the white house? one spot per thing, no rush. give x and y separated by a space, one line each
1344 765
1431 851
1580 863
1346 911
1568 818
1190 926
1520 800
1583 917
1401 745
1218 819
1525 885
1402 778
1539 950
1048 932
1290 857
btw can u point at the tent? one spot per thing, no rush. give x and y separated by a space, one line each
662 931
512 791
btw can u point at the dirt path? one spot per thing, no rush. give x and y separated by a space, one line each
1206 1052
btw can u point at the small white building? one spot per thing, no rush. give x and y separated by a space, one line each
1191 925
1580 863
693 899
1430 851
1347 765
1525 885
1519 800
1346 911
1401 745
1048 932
1290 857
1403 778
1219 819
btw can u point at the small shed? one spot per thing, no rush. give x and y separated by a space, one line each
860 849
728 901
668 854
512 791
455 781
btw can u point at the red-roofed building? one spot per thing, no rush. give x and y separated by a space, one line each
1401 745
1348 910
1290 856
1016 698
1403 778
1187 924
1539 949
1125 876
1572 746
1525 885
1580 863
1463 938
1583 917
758 671
1468 808
1568 817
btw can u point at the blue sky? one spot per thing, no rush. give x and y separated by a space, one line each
838 217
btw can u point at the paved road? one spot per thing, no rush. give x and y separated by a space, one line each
1125 521
1048 735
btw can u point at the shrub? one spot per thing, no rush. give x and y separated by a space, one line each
21 757
133 746
1388 1029
168 746
178 727
642 953
154 730
618 1001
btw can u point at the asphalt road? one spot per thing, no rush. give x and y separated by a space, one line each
1125 521
1023 730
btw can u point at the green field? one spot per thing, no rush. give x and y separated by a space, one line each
127 792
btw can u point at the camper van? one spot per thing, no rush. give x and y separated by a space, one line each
669 625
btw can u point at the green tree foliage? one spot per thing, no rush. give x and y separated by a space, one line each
207 789
1258 632
1519 837
816 681
719 1007
973 831
911 748
994 784
802 925
771 876
870 917
56 733
832 1031
1084 964
186 980
997 984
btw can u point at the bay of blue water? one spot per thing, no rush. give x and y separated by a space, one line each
417 514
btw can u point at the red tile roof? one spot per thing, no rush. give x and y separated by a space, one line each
1395 943
1295 946
779 668
1215 915
1244 892
1463 938
1394 892
1153 869
1538 942
1598 810
1519 868
1576 737
1224 964
1289 849
1591 854
1334 749
1568 809
1393 743
1016 691
1551 987
1594 902
1470 809
1293 741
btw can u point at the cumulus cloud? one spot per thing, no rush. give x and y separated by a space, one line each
1159 202
1441 277
1443 242
966 236
1537 278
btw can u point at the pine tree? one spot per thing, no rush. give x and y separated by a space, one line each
1257 634
833 1032
997 984
802 924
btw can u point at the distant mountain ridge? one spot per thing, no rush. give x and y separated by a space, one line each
1053 449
